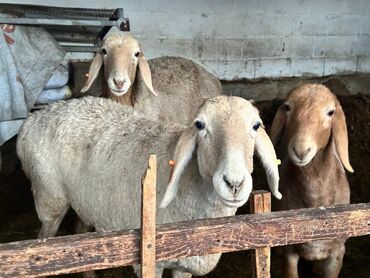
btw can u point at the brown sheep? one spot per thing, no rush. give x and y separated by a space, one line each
313 132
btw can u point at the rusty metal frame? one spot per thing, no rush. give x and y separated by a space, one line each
89 26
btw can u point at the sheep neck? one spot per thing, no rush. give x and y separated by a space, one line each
126 99
320 183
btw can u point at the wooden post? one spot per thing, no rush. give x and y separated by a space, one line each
260 201
148 219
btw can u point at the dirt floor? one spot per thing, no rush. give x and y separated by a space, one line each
19 220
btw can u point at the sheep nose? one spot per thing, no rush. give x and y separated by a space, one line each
234 185
301 154
119 83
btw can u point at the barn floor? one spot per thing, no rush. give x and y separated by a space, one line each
19 220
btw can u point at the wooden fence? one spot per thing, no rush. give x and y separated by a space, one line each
259 231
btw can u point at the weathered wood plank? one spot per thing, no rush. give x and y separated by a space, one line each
68 254
260 202
177 240
148 216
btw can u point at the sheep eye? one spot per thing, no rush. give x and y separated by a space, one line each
286 107
104 51
256 126
331 113
199 125
137 54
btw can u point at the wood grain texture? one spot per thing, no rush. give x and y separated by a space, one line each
148 216
178 240
260 202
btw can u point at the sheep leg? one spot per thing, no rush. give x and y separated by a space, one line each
50 211
331 266
290 259
180 274
158 272
81 228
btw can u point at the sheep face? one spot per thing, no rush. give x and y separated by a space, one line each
224 134
310 116
121 56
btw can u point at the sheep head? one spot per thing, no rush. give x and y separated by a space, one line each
310 116
225 134
121 56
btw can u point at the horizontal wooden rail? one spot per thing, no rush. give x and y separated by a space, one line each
177 240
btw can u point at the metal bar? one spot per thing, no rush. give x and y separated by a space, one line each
260 202
36 11
103 32
72 48
118 13
148 218
60 22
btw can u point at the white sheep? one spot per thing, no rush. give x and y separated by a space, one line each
167 89
91 154
315 146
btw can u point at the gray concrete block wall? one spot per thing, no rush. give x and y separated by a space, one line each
238 39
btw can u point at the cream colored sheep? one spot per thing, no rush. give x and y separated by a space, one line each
167 89
180 85
313 128
91 153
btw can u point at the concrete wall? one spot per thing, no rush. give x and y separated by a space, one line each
251 39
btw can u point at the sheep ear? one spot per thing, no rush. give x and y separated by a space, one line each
339 131
93 71
183 153
265 151
278 125
146 74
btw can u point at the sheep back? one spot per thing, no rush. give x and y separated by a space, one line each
182 86
92 153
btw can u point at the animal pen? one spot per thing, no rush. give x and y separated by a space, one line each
259 231
303 45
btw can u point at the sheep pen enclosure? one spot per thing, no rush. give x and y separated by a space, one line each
19 219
